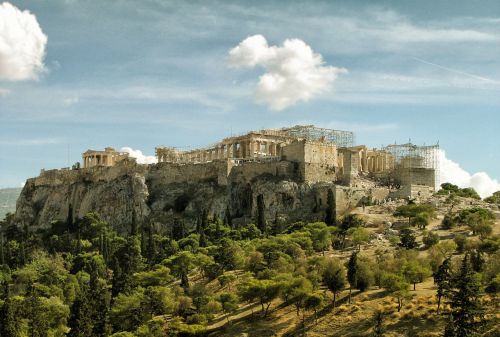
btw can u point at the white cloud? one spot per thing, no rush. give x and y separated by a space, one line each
139 156
22 44
294 72
451 172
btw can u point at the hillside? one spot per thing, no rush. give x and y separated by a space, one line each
376 267
418 315
8 198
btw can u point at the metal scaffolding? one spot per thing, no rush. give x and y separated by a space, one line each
310 132
413 156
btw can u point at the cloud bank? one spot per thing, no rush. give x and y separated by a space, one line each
294 72
451 172
139 156
22 44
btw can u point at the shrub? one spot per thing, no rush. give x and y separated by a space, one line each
462 242
430 239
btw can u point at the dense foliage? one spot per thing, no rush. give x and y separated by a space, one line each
83 278
450 189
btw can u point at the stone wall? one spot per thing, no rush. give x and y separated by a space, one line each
416 176
250 170
180 173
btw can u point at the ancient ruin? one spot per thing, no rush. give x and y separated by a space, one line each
294 171
108 157
306 153
321 155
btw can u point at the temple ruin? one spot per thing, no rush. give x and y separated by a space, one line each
108 157
304 153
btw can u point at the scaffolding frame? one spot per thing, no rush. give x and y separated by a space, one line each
311 132
424 156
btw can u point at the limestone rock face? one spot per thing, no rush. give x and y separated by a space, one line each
130 194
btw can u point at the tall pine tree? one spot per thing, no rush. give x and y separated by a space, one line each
9 324
442 278
352 272
465 302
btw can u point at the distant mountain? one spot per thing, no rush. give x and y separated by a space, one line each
8 198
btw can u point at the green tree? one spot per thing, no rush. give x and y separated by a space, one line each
320 235
80 321
181 264
265 291
415 272
454 190
127 260
465 302
129 311
430 239
9 319
449 221
397 286
442 279
229 302
330 208
352 272
358 235
407 238
313 302
479 223
38 324
421 212
334 277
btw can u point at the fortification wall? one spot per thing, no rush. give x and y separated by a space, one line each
179 173
93 174
250 170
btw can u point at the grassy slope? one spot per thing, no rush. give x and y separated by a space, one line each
8 198
355 319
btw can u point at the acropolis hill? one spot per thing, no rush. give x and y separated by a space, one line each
291 169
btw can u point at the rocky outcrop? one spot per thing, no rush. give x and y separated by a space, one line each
129 194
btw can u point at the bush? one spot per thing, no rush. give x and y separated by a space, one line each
197 319
462 242
448 222
450 189
430 239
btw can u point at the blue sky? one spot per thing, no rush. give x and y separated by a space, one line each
147 73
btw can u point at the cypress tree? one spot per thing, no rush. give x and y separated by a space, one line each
465 300
352 272
9 325
442 278
330 209
37 323
80 321
100 297
228 220
151 244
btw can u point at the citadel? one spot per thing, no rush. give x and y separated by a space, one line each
292 169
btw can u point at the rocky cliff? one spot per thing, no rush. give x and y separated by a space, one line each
129 194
